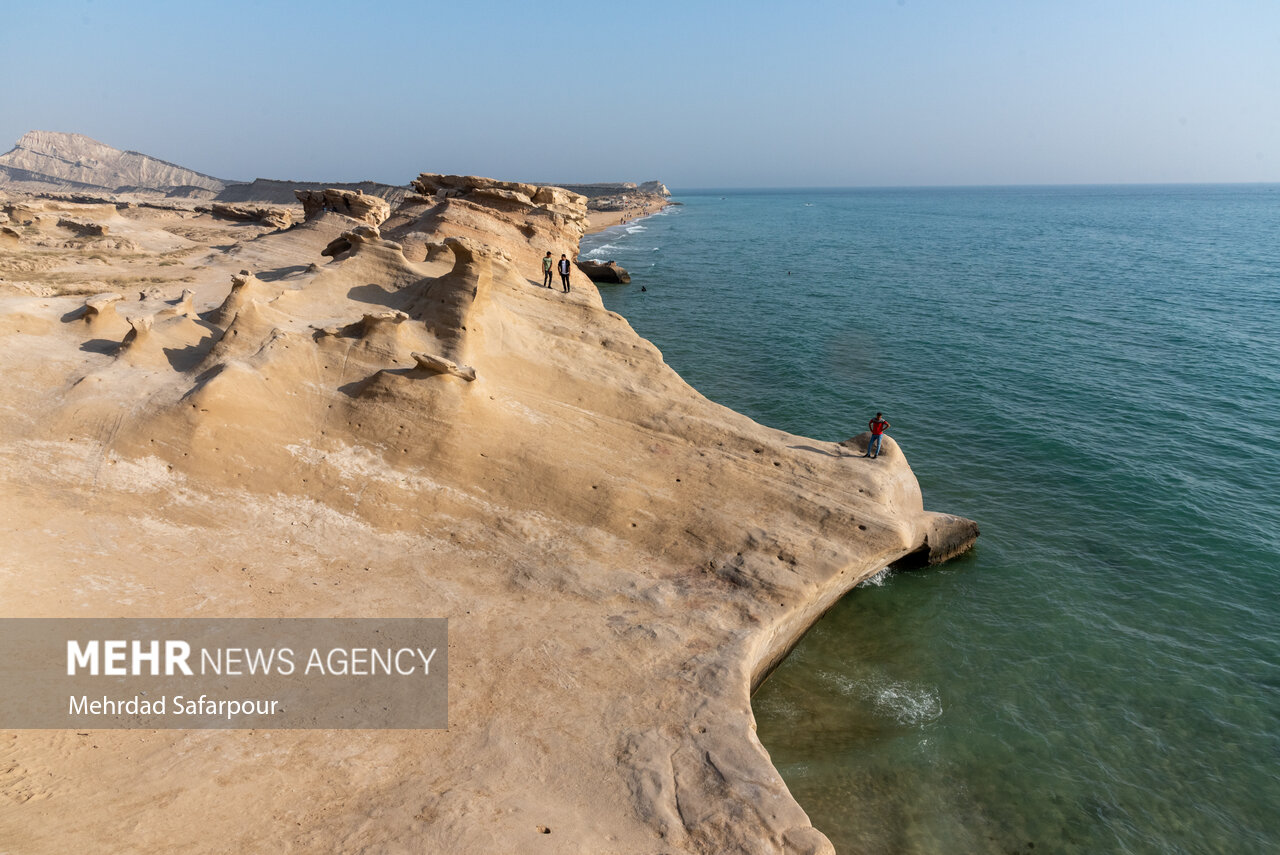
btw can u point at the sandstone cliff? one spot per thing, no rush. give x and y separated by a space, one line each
412 426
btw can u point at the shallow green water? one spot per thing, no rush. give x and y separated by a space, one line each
1094 375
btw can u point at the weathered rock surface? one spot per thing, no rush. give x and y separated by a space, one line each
280 218
51 160
433 364
609 272
621 560
83 229
349 240
656 188
373 210
278 192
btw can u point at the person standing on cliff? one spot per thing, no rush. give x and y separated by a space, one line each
547 264
564 272
878 427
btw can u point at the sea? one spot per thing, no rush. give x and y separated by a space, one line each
1093 375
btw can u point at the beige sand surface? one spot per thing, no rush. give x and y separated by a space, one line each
620 559
598 221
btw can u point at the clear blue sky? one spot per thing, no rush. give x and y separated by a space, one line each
698 94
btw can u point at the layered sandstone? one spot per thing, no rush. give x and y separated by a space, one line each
350 203
411 426
280 218
52 160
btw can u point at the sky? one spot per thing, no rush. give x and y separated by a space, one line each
696 94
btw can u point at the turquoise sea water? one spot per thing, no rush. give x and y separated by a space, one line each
1093 374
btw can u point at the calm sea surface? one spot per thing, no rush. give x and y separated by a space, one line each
1093 374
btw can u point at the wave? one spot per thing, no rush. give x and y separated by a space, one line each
600 251
907 704
876 580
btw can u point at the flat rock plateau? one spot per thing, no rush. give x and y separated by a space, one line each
378 411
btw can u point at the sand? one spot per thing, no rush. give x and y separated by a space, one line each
620 559
601 220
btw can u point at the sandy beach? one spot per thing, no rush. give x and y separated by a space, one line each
598 221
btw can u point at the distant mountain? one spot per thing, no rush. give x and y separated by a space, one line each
51 161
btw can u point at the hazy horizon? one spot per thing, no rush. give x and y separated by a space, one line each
900 93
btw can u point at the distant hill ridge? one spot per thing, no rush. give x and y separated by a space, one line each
593 190
55 162
281 192
76 162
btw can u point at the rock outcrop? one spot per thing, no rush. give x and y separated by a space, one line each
277 192
83 229
373 210
654 188
529 215
280 218
609 272
348 241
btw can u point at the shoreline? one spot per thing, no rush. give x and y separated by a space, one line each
633 542
598 221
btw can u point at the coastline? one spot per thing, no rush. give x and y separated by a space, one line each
573 573
598 221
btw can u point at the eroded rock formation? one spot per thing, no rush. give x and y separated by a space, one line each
373 210
280 218
609 272
412 426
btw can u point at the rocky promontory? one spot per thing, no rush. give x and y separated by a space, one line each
225 421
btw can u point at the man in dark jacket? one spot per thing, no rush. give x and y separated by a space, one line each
564 272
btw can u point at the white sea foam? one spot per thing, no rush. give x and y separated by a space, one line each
908 704
602 251
877 580
635 229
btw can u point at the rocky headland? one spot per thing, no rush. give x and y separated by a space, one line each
375 410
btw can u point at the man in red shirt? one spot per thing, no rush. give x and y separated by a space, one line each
878 427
